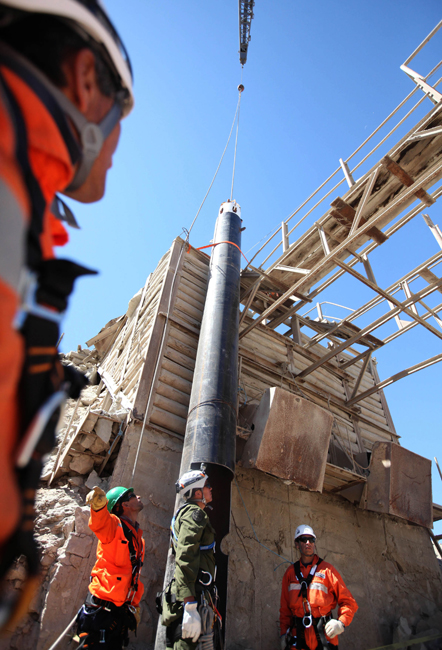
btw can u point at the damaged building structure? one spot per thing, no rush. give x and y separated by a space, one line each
315 441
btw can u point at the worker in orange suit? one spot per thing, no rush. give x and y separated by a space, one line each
112 604
311 589
65 85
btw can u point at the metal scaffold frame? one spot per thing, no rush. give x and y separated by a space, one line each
375 207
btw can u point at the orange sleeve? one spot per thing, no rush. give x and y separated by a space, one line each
285 613
347 604
104 525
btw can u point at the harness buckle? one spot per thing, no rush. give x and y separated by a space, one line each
29 305
307 620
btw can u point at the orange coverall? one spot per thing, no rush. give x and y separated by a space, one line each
52 168
112 572
327 590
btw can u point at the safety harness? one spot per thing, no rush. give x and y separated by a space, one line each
135 559
308 620
45 289
100 620
174 537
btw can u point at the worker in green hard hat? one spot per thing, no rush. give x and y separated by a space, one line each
111 607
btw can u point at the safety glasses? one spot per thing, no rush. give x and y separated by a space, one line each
304 540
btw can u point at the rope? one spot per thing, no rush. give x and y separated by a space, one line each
54 645
220 242
240 89
217 169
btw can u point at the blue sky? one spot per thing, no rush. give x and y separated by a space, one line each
320 77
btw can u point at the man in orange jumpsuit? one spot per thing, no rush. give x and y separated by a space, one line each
65 84
311 589
115 591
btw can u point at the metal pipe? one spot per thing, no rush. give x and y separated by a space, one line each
210 437
211 421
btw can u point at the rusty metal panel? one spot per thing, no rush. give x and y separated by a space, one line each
400 484
290 439
378 482
410 493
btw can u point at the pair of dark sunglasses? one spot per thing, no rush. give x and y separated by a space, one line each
127 497
304 540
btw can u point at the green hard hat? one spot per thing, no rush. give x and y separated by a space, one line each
114 495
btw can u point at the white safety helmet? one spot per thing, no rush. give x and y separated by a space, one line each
190 481
90 17
304 530
90 20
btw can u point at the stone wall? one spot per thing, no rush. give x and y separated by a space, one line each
388 564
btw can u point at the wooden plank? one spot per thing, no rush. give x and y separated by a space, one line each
170 405
167 420
174 380
406 179
181 347
179 358
188 309
190 299
345 214
184 335
173 394
177 369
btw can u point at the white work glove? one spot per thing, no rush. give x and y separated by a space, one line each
191 626
333 628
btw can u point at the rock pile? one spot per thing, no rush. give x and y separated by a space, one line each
65 541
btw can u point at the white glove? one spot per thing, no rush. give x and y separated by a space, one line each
283 641
191 626
333 628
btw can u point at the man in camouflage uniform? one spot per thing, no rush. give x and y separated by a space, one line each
189 602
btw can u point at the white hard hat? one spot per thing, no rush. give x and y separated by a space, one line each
91 17
190 481
304 530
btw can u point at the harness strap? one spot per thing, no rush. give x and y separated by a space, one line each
306 582
38 203
15 62
318 625
135 559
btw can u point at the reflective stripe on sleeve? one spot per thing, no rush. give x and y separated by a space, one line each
12 237
293 586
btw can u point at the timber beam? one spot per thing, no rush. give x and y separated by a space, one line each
406 180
